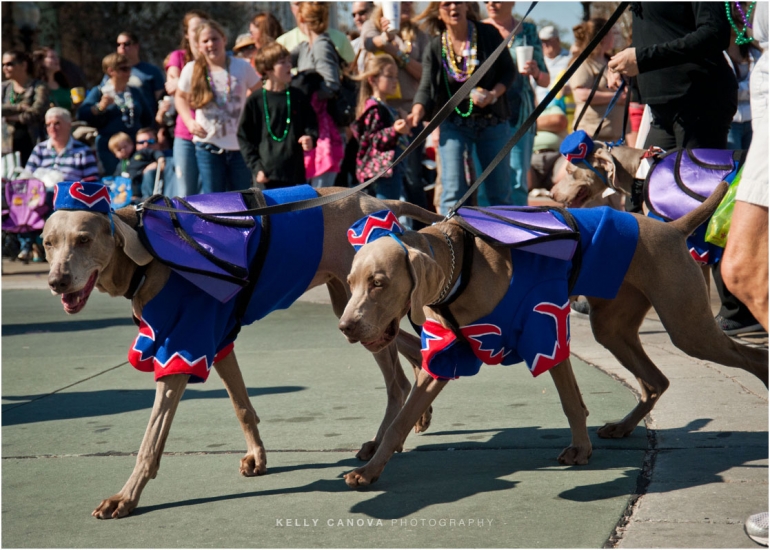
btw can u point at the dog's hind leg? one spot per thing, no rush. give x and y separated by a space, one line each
615 324
254 463
168 392
574 408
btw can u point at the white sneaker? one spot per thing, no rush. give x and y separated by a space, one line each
756 528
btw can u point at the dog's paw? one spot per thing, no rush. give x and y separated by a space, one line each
424 422
114 507
367 451
358 478
254 464
573 455
615 430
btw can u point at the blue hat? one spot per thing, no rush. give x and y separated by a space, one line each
372 227
82 195
577 146
77 195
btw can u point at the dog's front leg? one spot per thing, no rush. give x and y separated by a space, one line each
580 449
255 461
168 392
424 392
397 387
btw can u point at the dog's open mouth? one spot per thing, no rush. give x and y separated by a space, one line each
73 302
387 337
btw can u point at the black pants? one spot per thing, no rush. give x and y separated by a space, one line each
691 124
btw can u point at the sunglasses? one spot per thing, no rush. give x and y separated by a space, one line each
127 43
359 13
147 142
123 69
447 5
9 64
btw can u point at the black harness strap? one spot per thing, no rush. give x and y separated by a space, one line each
465 278
255 199
136 281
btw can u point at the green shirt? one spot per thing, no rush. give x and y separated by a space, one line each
549 140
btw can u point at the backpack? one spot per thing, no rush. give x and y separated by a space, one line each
342 107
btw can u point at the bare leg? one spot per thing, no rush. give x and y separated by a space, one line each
168 392
254 463
580 449
424 392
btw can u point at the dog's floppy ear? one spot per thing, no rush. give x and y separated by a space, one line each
603 159
127 238
428 282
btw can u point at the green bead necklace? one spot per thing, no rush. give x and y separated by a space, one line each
740 35
449 92
267 115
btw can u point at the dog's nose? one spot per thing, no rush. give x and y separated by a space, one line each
59 283
347 327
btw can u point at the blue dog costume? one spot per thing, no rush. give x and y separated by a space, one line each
531 322
185 329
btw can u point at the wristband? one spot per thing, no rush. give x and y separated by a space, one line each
404 58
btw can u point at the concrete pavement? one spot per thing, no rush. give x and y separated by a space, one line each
74 413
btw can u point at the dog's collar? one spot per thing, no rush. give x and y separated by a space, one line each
137 280
448 284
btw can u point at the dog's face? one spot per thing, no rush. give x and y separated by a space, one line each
79 245
385 282
581 185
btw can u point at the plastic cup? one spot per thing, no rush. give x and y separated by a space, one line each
524 54
392 12
78 95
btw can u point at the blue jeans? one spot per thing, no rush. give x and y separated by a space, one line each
454 140
186 168
169 181
390 188
521 160
221 170
413 188
739 137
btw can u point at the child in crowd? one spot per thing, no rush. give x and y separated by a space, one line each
380 129
278 123
140 165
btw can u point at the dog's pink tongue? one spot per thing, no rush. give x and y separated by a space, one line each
74 301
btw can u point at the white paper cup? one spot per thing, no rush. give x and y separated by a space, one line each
392 12
523 54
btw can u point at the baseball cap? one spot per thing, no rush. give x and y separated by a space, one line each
548 32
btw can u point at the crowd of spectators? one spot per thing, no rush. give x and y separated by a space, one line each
259 115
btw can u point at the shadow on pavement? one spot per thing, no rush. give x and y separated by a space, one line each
70 405
65 325
439 474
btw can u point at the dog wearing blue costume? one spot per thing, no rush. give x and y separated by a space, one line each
475 301
194 275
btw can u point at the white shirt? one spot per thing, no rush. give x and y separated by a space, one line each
221 121
555 66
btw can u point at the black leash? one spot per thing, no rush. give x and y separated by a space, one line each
542 106
461 95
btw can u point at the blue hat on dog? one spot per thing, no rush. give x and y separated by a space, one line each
372 227
576 147
83 195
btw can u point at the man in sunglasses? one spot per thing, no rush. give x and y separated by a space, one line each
147 77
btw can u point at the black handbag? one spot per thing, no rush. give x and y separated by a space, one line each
342 107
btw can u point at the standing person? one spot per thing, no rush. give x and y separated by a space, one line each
360 12
293 38
114 107
25 101
244 48
692 93
148 78
185 164
406 46
458 47
264 28
556 59
521 95
278 124
381 132
318 54
48 69
216 86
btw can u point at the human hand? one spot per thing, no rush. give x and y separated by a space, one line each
414 118
171 86
624 63
402 126
197 130
262 178
481 97
613 79
530 68
385 26
150 167
106 101
306 142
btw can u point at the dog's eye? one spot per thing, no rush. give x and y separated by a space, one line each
84 239
47 244
376 283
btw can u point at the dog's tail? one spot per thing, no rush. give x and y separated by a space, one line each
400 208
691 221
